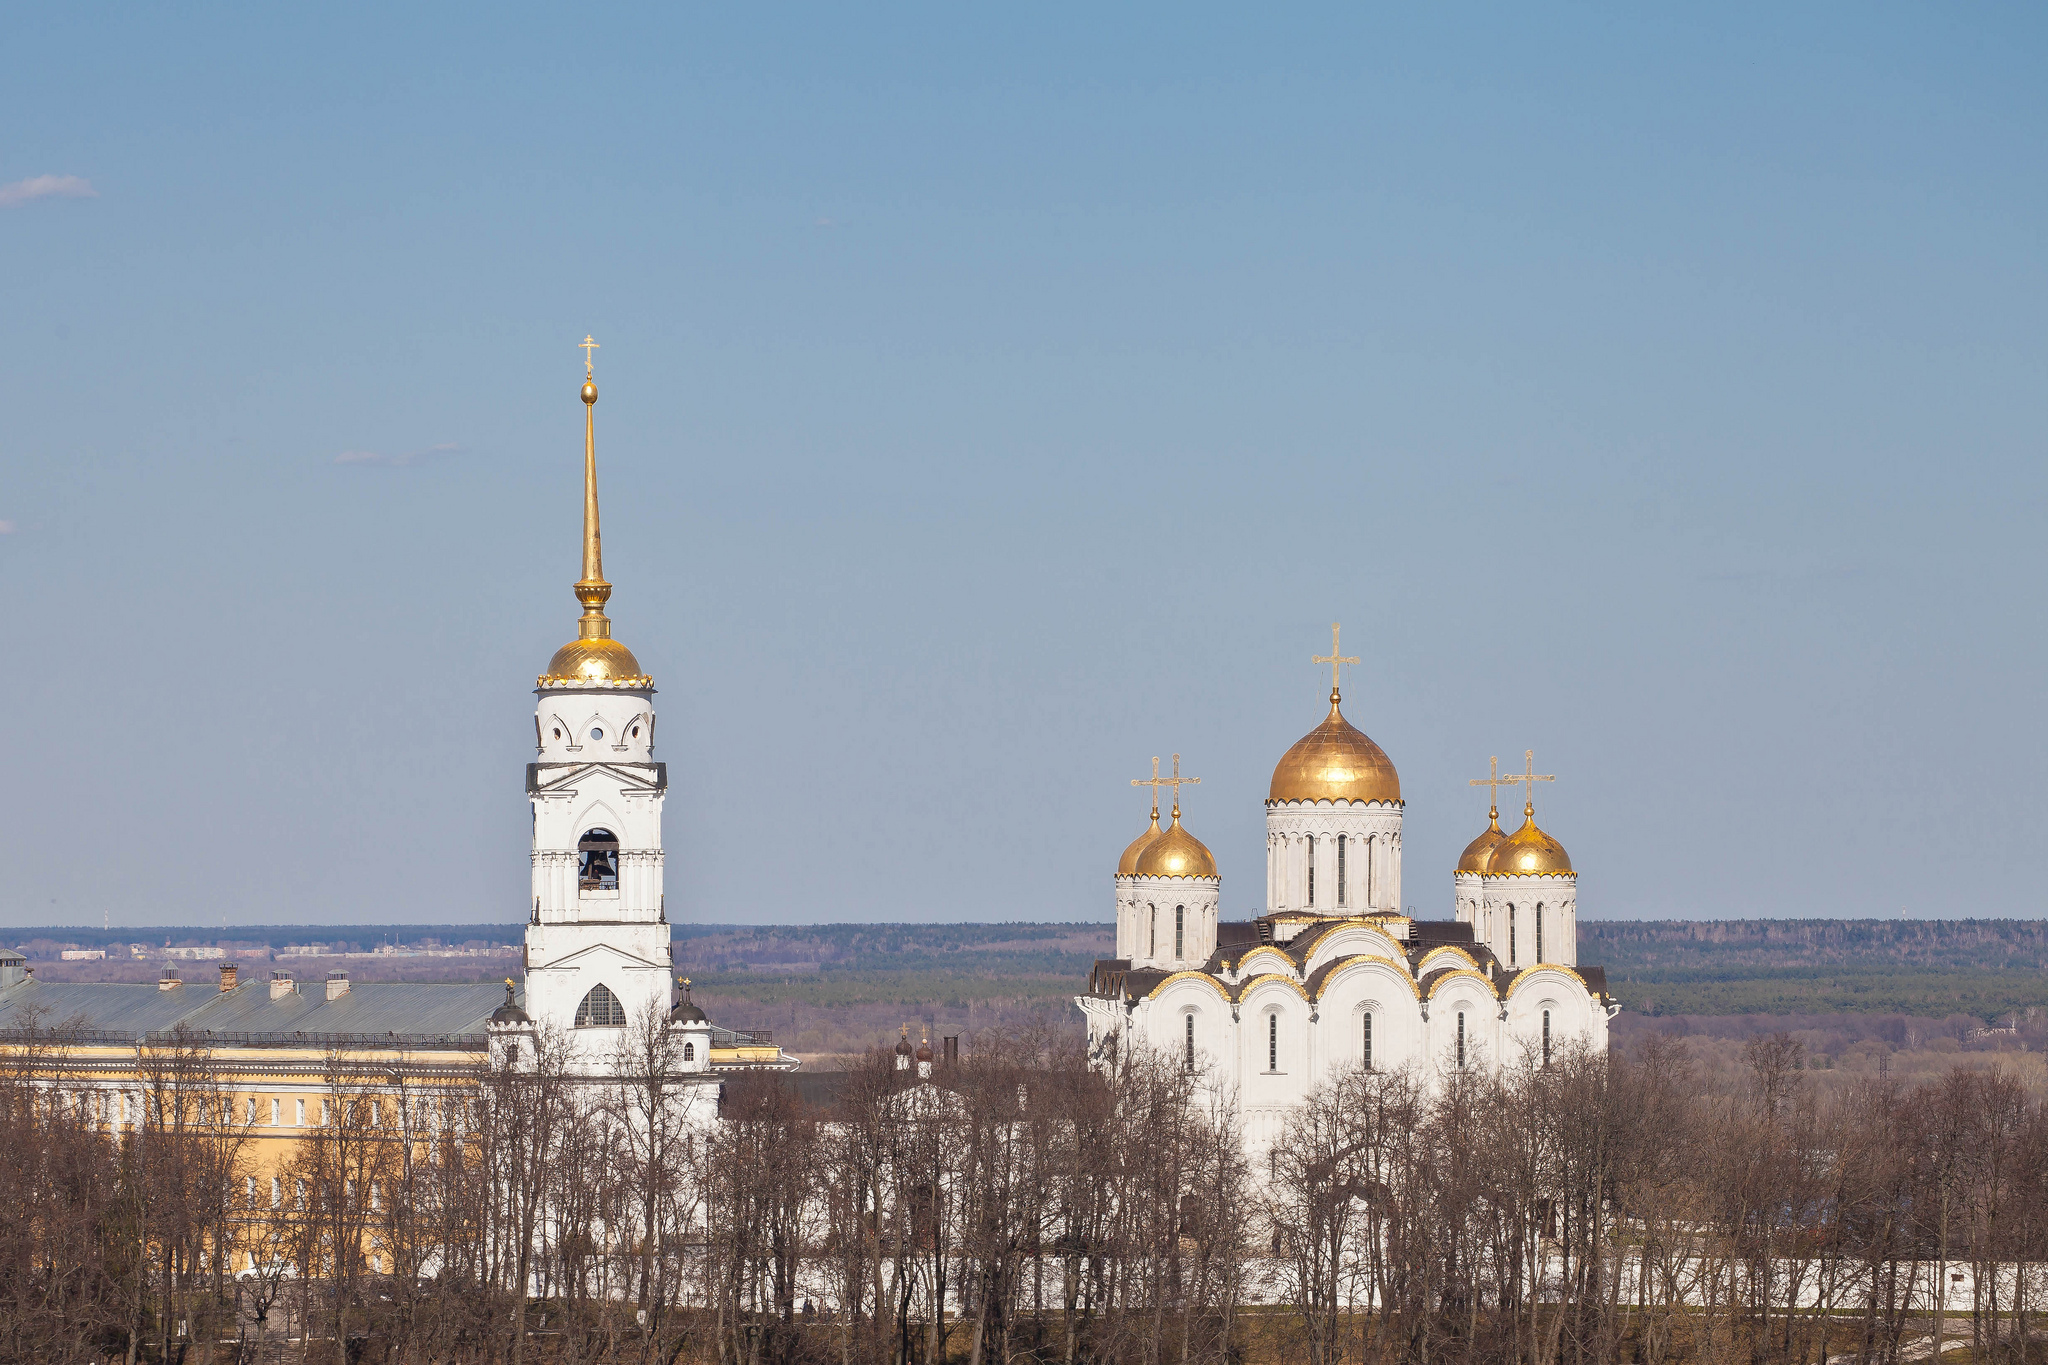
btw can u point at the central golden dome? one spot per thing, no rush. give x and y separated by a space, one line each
1127 866
603 661
1529 852
1175 853
1335 762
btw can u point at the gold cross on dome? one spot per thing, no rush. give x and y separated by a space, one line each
587 346
1530 777
1155 782
1494 780
1333 658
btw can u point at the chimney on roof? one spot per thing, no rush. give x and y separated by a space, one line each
227 976
281 984
337 985
170 980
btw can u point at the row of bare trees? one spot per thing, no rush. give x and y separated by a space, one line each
1024 1205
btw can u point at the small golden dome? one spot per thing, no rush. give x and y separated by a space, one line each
1335 762
1476 854
1127 866
603 661
1529 852
1175 853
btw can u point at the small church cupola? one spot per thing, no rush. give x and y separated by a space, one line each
1166 889
903 1049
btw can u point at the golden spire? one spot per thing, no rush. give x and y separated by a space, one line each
593 658
1334 658
591 590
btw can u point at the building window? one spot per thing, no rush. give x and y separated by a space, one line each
276 1192
252 1111
249 1190
1546 1037
1272 1042
689 1052
376 1113
301 1117
1368 1042
1151 931
1340 869
1180 931
275 1106
600 1009
1461 1040
1188 1059
1539 935
1511 935
598 861
1311 869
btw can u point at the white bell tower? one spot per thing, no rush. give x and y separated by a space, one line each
597 936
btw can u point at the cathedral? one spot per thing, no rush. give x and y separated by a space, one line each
1334 974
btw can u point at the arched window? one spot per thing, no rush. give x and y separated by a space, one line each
600 1009
1461 1040
1188 1061
1272 1042
1340 869
1539 934
598 861
1152 941
689 1052
1511 935
1311 869
1180 931
1368 1041
1546 1037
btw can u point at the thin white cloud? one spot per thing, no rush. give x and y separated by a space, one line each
405 461
13 196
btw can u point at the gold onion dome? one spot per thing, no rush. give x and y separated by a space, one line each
1529 852
593 658
1175 853
1335 762
1480 850
1127 866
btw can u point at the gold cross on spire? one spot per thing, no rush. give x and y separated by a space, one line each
1495 781
1530 777
588 346
1333 659
1155 782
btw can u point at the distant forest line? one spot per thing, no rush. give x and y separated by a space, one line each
976 975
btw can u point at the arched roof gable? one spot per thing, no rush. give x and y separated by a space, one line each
1211 982
1246 988
1320 981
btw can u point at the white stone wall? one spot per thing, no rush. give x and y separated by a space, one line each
1145 920
595 770
1514 905
1372 856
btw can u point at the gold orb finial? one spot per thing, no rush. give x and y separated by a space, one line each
589 391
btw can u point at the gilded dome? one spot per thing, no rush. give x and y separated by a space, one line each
1529 852
1476 853
603 661
1175 853
1127 865
1335 762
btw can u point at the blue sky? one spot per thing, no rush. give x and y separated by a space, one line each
992 401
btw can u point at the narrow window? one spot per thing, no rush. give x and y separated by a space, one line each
1546 1037
376 1113
252 1111
323 1113
1511 935
1311 869
1180 931
301 1117
249 1190
689 1052
1152 931
1188 1061
275 1105
373 1194
1461 1040
1340 869
276 1192
1539 935
1368 1042
1272 1042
